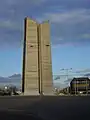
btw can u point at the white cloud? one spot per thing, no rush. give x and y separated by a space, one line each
11 2
16 2
83 70
61 33
73 16
86 35
71 25
10 25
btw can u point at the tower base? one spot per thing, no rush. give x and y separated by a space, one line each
48 93
31 92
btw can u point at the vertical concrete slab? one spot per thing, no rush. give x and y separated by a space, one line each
30 83
46 82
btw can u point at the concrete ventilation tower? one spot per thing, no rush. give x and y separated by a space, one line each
37 65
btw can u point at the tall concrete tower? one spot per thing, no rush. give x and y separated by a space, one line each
30 76
45 61
37 66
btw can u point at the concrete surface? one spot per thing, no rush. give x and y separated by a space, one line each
37 65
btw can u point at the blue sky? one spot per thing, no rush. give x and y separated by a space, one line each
70 32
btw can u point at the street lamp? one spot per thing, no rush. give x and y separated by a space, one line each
67 70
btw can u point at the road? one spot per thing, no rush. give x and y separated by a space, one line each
49 107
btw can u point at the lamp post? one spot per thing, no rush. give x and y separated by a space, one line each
67 70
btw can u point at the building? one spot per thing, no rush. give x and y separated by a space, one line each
37 65
81 84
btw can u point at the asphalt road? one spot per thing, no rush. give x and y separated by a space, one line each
47 108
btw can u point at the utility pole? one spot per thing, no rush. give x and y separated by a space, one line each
86 87
67 70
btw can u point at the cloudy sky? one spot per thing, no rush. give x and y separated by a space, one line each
70 32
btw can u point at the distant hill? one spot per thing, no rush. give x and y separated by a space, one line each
3 79
59 85
69 80
16 79
13 78
87 75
